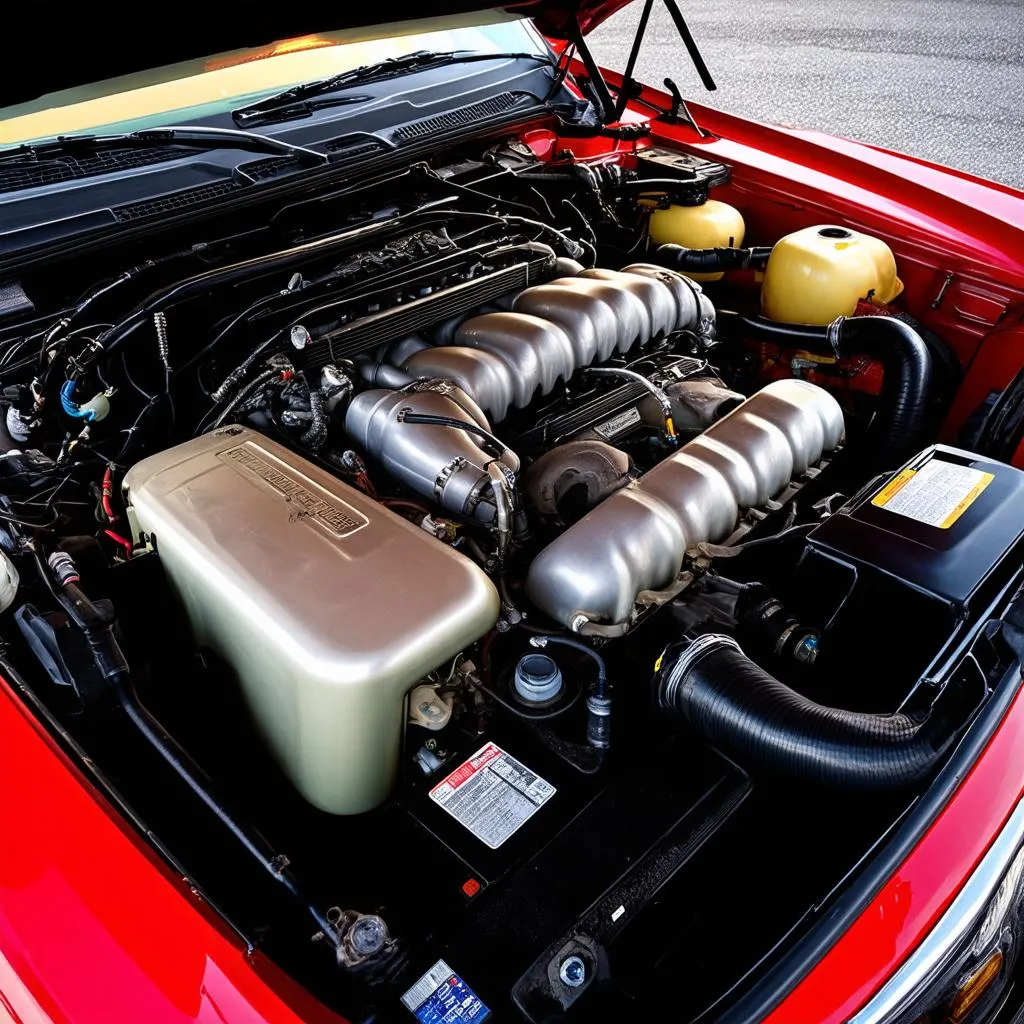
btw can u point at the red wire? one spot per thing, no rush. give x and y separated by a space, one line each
363 481
107 491
124 542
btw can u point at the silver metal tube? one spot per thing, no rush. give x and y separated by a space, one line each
503 503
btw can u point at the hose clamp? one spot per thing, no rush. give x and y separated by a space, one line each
832 333
675 678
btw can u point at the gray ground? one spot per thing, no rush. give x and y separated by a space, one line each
939 79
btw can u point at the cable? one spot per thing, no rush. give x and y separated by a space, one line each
123 542
412 506
254 385
599 703
571 247
408 416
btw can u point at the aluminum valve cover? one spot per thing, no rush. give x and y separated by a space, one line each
636 539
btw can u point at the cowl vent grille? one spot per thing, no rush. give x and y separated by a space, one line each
174 201
55 170
353 149
499 104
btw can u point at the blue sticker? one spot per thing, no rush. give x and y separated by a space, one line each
442 997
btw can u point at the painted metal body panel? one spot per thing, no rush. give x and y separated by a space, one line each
94 927
913 899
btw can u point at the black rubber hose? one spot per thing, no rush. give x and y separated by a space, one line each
903 403
709 261
751 716
601 683
490 443
599 703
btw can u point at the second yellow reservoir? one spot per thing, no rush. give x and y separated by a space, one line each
820 273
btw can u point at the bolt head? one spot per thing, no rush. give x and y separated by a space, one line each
573 971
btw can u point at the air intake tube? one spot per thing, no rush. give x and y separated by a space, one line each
906 362
751 716
709 261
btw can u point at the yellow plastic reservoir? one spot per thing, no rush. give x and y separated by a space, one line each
711 225
819 273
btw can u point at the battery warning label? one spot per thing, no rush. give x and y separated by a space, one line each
442 997
492 794
938 493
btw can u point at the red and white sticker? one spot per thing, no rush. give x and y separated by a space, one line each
492 794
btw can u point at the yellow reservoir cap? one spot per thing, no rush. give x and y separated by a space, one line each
819 273
709 226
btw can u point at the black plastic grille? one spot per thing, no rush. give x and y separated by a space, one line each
174 201
401 321
456 118
258 170
572 422
53 170
353 149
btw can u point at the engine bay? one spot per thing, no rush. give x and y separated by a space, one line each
495 571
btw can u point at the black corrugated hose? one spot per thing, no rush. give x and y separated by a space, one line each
759 721
900 425
710 261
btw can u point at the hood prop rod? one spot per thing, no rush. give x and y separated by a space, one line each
598 86
630 88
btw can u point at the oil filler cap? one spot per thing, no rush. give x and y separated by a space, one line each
538 679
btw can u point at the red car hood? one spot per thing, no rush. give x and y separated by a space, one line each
78 47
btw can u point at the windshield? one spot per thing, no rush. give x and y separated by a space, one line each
183 93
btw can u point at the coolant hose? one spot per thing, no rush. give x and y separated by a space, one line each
709 261
751 716
902 418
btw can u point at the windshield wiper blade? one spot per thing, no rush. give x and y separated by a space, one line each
292 111
301 100
197 136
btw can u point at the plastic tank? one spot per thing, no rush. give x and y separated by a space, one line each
710 225
820 273
327 606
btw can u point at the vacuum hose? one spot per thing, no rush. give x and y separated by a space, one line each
901 421
751 716
710 261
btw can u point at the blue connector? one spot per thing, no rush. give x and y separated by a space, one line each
71 407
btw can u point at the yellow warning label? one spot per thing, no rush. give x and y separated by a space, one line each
967 500
937 493
893 487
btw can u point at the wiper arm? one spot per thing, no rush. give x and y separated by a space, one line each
295 101
197 136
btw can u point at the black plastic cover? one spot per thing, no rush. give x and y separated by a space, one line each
942 524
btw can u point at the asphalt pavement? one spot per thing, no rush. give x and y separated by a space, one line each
938 79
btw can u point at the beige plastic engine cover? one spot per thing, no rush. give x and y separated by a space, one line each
327 606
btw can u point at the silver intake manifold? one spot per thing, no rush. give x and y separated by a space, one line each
504 359
446 460
635 540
